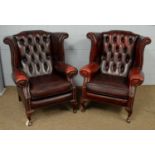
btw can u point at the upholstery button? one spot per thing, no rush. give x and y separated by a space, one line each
30 68
45 66
130 41
127 58
42 47
40 57
114 39
24 59
122 39
37 39
29 40
38 67
27 50
117 48
112 56
107 39
125 49
45 39
119 57
104 56
107 66
47 56
35 48
110 47
32 58
122 68
22 42
114 67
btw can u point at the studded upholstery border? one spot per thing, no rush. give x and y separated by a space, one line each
35 54
118 53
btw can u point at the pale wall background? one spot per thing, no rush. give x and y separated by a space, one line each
77 46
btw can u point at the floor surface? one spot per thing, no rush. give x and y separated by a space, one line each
99 117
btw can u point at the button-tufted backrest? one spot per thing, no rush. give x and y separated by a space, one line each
118 52
34 49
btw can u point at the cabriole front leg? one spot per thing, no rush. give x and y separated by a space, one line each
83 102
28 112
74 93
129 107
75 103
129 110
19 98
28 121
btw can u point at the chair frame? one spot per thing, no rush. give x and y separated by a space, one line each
22 80
135 77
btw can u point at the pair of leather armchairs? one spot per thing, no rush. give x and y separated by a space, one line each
43 78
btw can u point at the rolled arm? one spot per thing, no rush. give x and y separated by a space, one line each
89 70
20 78
65 69
136 77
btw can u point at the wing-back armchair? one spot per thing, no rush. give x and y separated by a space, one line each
39 70
115 68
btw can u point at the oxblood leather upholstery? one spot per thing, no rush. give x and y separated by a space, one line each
39 70
118 53
34 51
108 85
55 85
115 68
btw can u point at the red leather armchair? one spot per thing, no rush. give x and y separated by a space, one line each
115 68
39 70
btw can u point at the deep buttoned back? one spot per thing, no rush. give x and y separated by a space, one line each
118 52
34 48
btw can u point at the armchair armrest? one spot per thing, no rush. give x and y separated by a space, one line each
136 77
20 78
89 70
66 69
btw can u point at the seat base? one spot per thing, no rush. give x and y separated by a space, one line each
52 100
110 86
49 86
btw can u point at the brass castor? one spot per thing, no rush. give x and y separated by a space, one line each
83 109
128 120
28 123
74 111
75 107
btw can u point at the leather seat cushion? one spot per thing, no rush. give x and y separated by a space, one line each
107 85
48 86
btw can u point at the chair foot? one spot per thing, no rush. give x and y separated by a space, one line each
82 104
28 123
74 106
19 98
83 108
74 110
128 120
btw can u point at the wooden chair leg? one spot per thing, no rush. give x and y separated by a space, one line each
82 104
29 121
75 106
19 98
129 110
74 101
